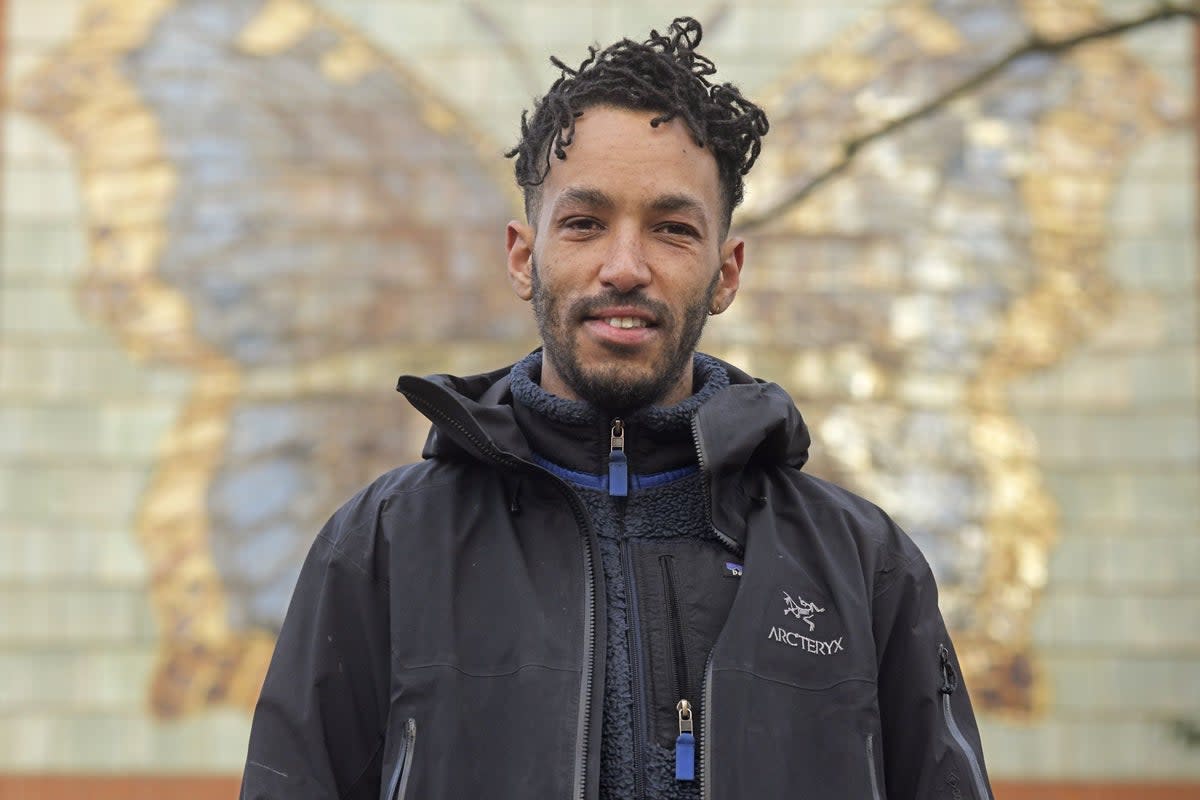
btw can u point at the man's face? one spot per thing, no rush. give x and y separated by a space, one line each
625 260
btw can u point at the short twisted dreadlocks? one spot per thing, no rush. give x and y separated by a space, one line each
663 74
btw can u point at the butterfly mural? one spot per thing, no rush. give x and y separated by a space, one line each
277 205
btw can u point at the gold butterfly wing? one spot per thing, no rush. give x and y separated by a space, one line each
902 299
282 210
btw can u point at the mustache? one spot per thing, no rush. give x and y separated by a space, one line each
587 306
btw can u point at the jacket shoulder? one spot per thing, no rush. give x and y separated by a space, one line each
883 545
356 534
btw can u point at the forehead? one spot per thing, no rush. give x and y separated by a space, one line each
617 152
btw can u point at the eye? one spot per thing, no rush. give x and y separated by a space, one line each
679 229
581 224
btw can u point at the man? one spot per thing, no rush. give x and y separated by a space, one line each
610 577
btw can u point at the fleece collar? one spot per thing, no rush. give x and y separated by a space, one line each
576 434
745 422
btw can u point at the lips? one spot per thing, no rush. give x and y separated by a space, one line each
625 318
621 326
625 322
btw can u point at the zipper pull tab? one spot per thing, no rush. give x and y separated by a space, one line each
685 745
618 466
949 678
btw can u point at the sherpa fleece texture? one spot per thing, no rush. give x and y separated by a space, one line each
674 509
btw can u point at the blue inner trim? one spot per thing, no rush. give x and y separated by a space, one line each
599 483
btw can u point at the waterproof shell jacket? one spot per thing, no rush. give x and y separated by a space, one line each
446 637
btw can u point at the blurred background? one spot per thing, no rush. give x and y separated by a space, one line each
229 225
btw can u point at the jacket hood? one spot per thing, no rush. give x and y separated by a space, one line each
752 421
748 421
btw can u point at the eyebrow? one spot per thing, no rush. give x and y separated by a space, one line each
670 203
584 196
595 198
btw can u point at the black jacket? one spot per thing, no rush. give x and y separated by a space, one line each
446 635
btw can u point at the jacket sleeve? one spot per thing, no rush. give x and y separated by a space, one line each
318 727
930 742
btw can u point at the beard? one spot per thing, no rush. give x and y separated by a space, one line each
610 384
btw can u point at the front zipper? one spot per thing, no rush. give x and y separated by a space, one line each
636 666
685 744
618 462
702 459
398 785
706 728
949 684
583 734
585 690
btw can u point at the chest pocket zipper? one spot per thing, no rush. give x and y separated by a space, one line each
398 785
685 744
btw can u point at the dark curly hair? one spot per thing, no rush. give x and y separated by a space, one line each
663 74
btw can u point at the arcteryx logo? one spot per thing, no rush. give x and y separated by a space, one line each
804 610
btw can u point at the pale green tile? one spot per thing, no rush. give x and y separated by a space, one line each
1167 378
211 742
1180 323
27 741
1083 383
1071 561
32 553
1069 437
1154 263
102 742
42 614
1120 493
47 22
1014 750
1152 202
42 312
71 679
76 371
18 669
42 193
111 679
1104 683
1164 562
1070 618
42 252
56 492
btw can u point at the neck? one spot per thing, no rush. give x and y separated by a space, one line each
553 382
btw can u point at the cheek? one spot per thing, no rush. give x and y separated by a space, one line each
694 287
559 280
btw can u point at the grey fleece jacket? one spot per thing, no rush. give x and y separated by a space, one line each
663 510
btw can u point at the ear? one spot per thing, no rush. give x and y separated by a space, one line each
519 243
733 251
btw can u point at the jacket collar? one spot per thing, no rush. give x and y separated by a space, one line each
748 422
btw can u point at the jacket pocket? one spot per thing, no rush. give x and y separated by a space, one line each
681 687
397 786
949 684
872 772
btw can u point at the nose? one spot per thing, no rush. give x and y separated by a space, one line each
625 268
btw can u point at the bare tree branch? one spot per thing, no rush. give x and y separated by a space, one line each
1162 12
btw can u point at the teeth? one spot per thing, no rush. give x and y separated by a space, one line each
626 322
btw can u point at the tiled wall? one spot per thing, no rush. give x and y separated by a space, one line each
82 422
1116 426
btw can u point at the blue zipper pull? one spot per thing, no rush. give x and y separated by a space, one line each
685 745
618 466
